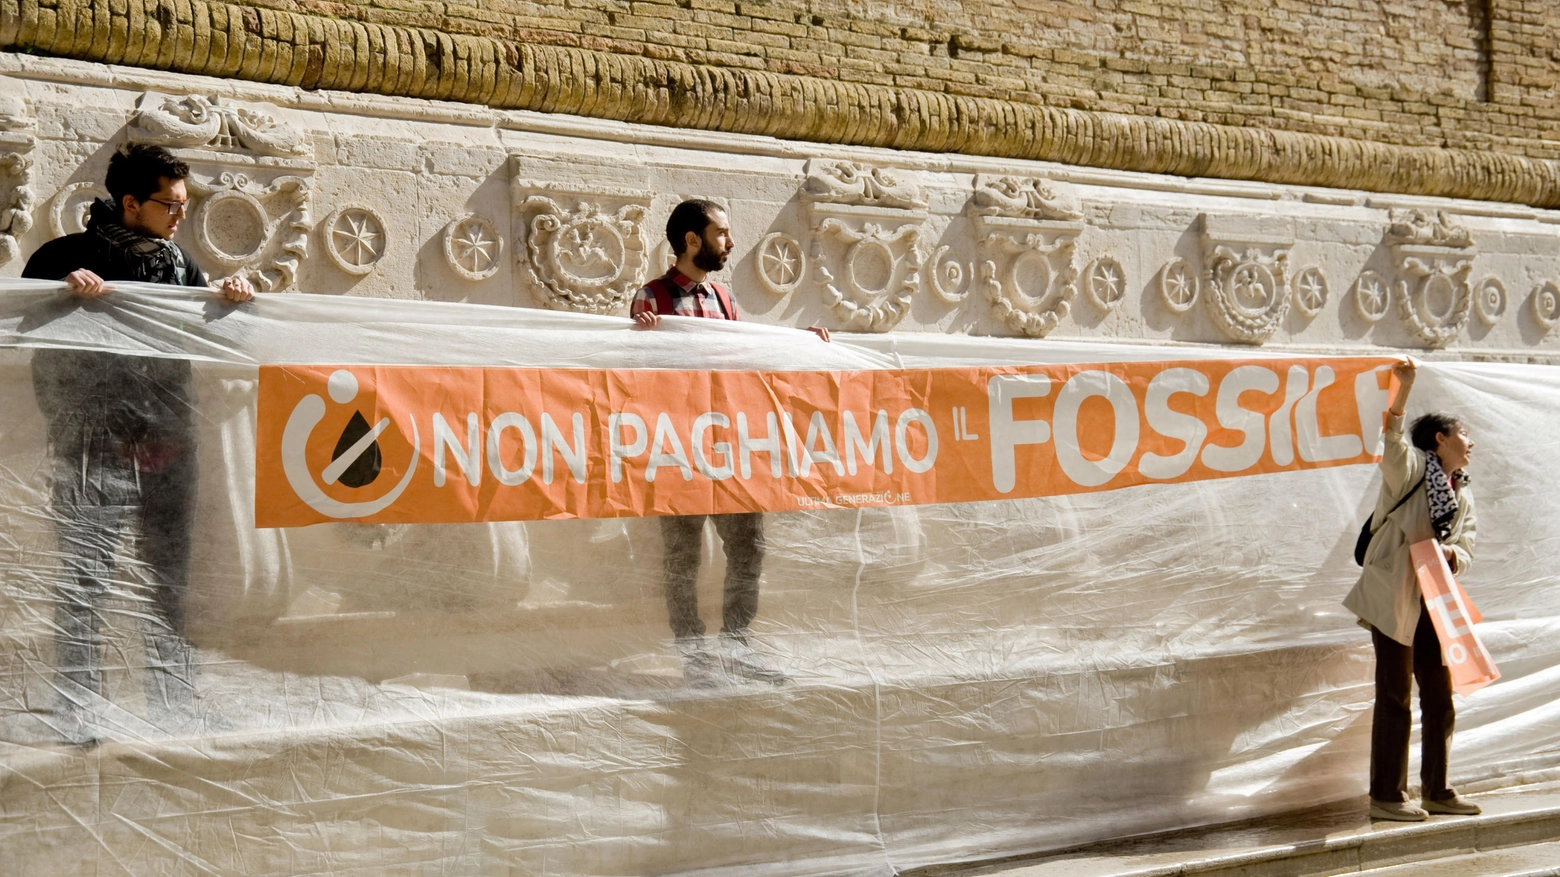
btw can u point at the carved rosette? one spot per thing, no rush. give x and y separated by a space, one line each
356 238
16 194
1434 258
1246 273
584 258
249 184
866 255
472 247
1372 296
949 276
1179 286
1546 304
780 263
1026 235
1489 302
1309 290
1106 282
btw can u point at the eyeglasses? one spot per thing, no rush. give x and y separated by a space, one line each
175 208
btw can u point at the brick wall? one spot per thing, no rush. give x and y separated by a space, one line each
1458 73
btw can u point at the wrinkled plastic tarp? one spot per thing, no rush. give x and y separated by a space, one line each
968 680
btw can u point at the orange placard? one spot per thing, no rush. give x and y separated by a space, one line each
418 444
1454 616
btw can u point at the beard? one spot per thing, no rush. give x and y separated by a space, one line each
707 259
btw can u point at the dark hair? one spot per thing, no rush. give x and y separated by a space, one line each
138 170
693 215
1428 426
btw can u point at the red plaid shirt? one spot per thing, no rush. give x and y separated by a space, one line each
687 298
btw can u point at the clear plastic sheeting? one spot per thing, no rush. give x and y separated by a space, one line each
961 681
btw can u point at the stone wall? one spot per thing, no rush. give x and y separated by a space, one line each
386 196
1446 72
1433 98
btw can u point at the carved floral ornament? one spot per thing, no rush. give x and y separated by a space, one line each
583 258
1245 272
781 263
1309 291
866 234
356 238
1489 301
16 194
1546 304
1026 234
1179 286
472 247
1434 259
249 183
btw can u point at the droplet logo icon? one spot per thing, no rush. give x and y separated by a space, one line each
355 460
363 465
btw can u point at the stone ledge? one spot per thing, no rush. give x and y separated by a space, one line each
315 52
1343 841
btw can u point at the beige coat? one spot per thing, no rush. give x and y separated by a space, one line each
1387 595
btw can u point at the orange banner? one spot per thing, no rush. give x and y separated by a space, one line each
1454 616
408 444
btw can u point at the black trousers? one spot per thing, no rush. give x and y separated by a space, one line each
1396 666
743 539
94 501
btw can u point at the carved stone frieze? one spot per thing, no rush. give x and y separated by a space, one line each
1246 273
1026 233
949 276
849 182
780 262
1372 296
1179 286
69 207
866 254
1427 228
1434 261
356 238
1106 282
1546 304
1489 301
250 183
472 247
254 227
584 258
16 194
1026 198
1309 290
209 123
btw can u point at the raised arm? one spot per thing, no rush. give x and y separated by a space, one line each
1399 464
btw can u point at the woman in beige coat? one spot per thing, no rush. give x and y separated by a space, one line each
1428 468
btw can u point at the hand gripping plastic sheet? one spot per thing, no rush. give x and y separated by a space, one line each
981 596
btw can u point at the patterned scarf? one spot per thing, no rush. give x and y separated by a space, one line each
1441 489
148 259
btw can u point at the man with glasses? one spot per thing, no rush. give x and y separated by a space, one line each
122 442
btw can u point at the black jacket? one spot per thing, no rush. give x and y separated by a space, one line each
99 403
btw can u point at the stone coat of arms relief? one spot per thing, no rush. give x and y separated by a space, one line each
866 233
1433 256
1026 233
1246 273
16 195
583 246
249 184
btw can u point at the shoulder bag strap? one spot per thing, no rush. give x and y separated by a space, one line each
1403 500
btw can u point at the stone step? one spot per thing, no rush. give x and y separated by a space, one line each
1518 834
1533 860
